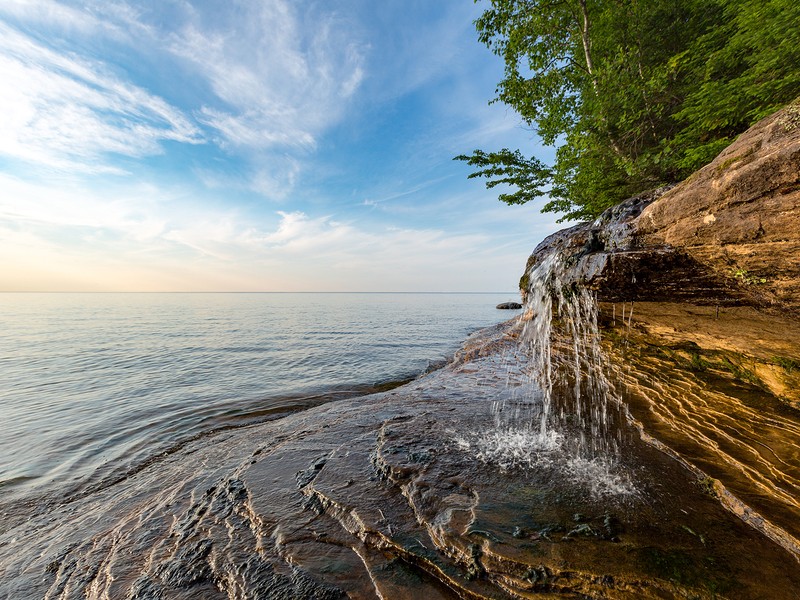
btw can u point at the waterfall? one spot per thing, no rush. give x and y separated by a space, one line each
566 362
568 399
559 410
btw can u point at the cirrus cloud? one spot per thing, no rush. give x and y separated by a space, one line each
68 112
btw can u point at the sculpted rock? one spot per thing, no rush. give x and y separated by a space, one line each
699 292
727 235
399 495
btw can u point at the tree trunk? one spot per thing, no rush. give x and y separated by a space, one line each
587 54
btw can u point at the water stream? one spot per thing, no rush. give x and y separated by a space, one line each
567 362
559 407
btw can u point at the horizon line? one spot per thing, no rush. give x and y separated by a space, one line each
242 292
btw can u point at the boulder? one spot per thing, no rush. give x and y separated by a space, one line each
509 306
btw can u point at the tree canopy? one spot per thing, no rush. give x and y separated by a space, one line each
632 93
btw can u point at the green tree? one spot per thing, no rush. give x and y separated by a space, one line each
633 93
746 68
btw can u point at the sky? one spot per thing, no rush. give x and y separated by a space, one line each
262 145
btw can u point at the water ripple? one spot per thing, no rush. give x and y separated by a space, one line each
93 384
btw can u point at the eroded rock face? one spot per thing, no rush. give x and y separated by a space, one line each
706 385
728 235
699 290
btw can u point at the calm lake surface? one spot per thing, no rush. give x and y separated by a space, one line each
94 385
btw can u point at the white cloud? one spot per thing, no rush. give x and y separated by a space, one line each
271 176
50 12
270 78
280 80
76 238
67 112
135 214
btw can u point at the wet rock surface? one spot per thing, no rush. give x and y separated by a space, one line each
391 495
711 386
699 286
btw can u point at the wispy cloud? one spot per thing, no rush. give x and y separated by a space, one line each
325 107
405 193
67 112
50 12
271 77
280 76
139 242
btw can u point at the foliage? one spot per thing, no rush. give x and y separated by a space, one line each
633 93
789 365
511 168
746 277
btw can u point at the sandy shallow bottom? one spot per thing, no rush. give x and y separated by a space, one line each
411 493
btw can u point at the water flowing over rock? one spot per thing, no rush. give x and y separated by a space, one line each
383 497
633 434
699 291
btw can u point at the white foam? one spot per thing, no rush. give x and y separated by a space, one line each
601 475
527 448
511 447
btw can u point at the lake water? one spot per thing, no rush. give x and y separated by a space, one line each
94 385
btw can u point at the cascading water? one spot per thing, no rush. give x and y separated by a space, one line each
567 363
560 408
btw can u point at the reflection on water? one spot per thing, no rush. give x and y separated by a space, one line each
95 384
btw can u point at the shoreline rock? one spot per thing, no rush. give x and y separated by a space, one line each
699 290
509 306
394 495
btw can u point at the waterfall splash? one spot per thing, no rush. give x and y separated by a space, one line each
560 409
567 363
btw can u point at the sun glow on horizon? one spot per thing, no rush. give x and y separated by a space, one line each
276 146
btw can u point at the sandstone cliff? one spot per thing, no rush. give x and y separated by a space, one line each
728 235
699 290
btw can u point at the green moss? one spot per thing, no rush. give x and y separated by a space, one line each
787 364
726 163
747 278
687 355
739 372
706 485
698 363
524 282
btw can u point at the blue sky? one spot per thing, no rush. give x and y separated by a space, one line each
270 145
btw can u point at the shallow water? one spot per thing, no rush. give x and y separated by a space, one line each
93 385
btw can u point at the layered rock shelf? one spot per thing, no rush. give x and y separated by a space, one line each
699 290
403 494
440 489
